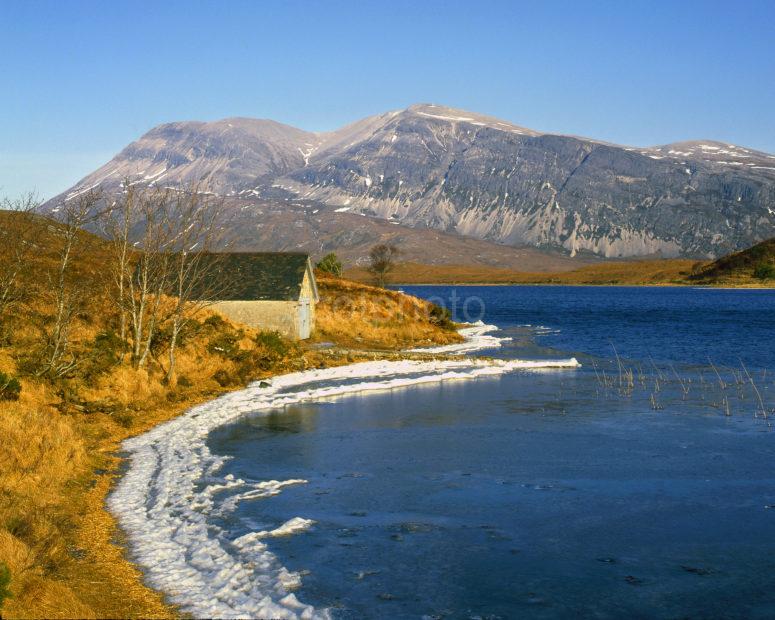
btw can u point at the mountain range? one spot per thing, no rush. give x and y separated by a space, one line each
459 187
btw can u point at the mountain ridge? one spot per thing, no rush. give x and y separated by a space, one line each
469 174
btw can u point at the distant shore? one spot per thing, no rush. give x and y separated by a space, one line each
677 272
595 284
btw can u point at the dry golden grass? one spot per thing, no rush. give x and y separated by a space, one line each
417 273
359 315
59 442
56 469
666 271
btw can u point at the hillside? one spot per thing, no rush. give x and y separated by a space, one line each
466 174
61 424
753 266
378 318
293 227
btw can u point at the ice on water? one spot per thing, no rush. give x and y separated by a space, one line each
173 485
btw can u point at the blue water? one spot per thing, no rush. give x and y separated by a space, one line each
544 494
672 324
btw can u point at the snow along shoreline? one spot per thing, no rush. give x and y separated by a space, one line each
172 485
477 337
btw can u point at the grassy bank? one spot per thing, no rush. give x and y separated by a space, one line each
379 319
753 267
60 432
61 546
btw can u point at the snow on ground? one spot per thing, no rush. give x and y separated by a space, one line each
477 337
172 485
156 174
447 118
82 190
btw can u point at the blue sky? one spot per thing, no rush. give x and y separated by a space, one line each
80 80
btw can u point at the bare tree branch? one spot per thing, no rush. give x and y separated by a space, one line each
67 296
116 225
198 223
150 272
17 236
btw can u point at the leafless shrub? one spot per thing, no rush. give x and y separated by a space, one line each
116 226
149 276
162 268
195 221
67 296
16 244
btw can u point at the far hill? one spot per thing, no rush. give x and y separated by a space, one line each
756 265
632 273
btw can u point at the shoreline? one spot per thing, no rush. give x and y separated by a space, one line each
167 532
65 552
100 535
592 285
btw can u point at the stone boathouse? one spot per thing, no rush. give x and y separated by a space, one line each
271 291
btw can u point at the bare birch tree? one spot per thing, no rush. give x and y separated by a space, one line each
17 229
150 272
117 226
162 261
198 224
67 295
382 260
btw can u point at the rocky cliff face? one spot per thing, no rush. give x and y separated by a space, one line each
464 173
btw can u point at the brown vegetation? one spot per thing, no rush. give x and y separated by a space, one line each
58 447
60 434
664 271
378 318
754 266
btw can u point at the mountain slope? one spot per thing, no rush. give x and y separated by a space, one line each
223 155
452 170
467 174
260 224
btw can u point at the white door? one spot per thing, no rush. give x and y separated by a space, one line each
304 322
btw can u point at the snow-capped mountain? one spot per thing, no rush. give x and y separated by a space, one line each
463 173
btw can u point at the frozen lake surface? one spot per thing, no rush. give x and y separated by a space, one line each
538 493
